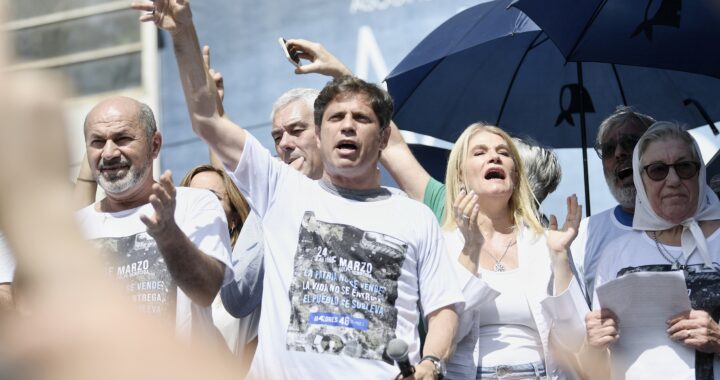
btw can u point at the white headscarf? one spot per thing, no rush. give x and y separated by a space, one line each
646 219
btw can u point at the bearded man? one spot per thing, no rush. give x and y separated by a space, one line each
170 246
615 142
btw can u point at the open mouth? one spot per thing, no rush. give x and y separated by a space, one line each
113 168
624 171
347 146
494 173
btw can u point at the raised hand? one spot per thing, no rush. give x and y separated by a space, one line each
321 61
558 241
163 201
215 75
468 220
466 215
171 15
695 329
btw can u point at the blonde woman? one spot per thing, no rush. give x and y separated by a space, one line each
494 236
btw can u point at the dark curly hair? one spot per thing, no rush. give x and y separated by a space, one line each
380 101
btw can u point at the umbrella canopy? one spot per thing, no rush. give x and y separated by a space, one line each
670 34
493 64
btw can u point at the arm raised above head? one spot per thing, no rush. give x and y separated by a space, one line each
223 136
403 166
396 157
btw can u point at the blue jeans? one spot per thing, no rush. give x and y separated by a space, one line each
534 370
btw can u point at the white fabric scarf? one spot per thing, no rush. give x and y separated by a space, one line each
646 219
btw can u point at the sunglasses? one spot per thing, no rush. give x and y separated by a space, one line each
607 148
659 170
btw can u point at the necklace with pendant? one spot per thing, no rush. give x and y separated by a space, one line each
499 267
674 261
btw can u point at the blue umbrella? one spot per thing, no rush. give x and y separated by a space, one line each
493 64
669 34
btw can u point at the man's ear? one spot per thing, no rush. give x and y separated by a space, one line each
384 137
317 135
156 144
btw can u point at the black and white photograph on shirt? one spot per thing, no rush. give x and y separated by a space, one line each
703 286
136 260
344 290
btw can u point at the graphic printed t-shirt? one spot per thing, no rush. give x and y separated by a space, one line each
133 256
637 252
342 276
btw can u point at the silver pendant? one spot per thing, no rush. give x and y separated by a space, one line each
674 266
499 267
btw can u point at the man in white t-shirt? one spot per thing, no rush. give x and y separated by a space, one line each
616 139
346 261
170 246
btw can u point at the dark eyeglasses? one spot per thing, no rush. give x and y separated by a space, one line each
657 171
607 148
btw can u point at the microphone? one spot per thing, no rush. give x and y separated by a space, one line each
397 350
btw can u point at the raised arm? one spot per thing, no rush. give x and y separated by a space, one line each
220 86
197 274
396 157
223 136
321 60
403 166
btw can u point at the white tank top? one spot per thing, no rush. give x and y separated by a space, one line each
508 334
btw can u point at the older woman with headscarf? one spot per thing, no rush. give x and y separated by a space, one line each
677 220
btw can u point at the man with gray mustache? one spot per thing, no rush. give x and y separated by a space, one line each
169 245
615 141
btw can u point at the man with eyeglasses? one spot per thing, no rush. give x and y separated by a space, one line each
615 141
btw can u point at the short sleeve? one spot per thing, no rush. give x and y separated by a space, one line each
435 198
205 225
438 285
258 175
243 295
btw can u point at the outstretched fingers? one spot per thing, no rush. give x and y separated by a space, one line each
574 214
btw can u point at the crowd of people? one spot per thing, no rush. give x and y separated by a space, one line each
302 266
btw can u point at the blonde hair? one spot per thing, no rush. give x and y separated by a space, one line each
238 205
522 202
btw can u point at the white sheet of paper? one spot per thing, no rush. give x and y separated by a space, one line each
643 302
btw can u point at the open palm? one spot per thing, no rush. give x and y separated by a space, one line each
170 15
559 240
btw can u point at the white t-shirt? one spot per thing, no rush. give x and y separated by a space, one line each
508 333
133 255
7 262
594 234
342 277
637 252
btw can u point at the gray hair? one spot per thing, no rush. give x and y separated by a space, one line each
306 95
541 166
623 115
666 130
147 119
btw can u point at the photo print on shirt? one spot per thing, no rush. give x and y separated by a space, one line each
137 262
344 290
